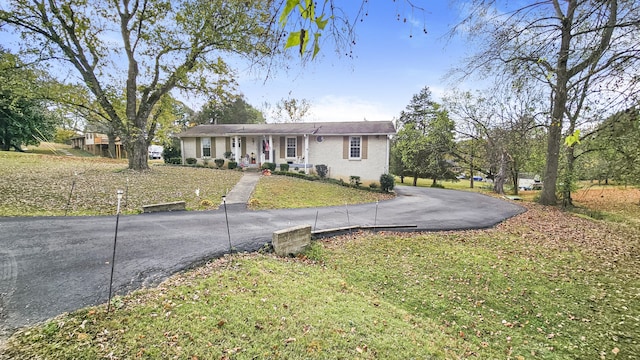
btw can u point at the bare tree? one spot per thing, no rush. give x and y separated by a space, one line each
575 49
291 110
504 120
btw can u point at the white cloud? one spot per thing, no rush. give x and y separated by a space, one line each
348 108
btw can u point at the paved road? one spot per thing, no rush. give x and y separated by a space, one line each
51 265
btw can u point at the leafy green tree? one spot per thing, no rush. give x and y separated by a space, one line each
396 166
425 141
160 46
611 151
167 119
24 118
234 111
63 136
441 145
23 122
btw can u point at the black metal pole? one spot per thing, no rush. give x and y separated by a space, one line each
113 257
224 203
73 185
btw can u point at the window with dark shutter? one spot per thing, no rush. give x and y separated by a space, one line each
355 147
206 147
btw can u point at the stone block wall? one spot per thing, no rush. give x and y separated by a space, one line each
291 241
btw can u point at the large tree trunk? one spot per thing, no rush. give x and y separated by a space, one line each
138 152
515 175
501 176
548 195
568 179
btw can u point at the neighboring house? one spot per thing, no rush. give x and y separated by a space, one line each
346 148
77 142
98 144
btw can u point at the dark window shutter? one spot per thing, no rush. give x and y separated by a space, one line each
299 150
213 147
243 145
365 147
345 147
227 144
198 148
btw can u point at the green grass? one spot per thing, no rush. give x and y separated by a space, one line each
462 184
499 297
279 192
35 184
483 295
465 185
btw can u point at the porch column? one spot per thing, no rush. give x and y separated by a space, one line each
306 153
182 150
271 151
236 149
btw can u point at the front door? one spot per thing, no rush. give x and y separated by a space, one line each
266 149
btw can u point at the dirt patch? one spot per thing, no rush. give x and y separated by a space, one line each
616 200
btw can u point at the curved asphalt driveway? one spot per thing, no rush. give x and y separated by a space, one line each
51 265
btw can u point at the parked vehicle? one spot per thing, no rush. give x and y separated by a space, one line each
155 151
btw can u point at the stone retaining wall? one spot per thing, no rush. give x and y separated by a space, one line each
170 206
291 241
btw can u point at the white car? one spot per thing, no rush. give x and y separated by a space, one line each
155 152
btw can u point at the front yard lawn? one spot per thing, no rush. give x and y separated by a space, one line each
545 284
283 192
34 185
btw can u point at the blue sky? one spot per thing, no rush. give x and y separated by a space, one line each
392 61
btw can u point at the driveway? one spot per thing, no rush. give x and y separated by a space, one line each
51 265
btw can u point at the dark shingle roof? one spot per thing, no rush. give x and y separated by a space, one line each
318 128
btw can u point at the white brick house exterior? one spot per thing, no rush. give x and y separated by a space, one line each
346 148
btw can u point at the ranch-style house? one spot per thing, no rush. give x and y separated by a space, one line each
346 148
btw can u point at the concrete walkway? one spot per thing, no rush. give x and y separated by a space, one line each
241 192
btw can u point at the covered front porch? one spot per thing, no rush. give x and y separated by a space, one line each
251 151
